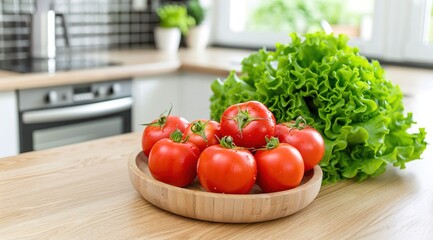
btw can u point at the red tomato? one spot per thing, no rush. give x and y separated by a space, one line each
159 129
248 124
174 162
306 139
280 168
203 133
226 170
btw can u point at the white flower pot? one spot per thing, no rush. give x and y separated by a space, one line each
198 37
167 39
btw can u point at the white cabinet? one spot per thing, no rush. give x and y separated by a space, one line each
8 124
187 92
152 96
194 94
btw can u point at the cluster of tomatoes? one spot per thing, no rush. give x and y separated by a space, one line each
246 147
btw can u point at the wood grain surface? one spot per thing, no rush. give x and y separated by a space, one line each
83 191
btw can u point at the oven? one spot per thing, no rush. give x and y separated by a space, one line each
61 115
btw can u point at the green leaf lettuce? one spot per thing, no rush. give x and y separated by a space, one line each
359 113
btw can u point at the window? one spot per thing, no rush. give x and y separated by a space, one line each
352 17
430 25
395 30
419 46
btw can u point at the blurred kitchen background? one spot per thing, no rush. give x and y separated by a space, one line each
396 32
393 30
91 24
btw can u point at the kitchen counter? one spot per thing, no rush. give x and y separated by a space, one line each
82 191
131 63
145 62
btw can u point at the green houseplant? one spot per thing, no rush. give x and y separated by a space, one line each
198 37
174 21
196 11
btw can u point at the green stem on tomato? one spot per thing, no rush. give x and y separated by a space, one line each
177 136
243 118
300 120
227 142
272 143
198 128
300 123
161 121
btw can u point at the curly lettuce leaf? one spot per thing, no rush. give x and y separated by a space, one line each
359 113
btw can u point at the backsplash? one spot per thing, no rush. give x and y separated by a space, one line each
92 24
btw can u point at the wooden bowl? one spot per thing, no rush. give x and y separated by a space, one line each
194 202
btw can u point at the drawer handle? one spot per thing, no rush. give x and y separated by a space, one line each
77 112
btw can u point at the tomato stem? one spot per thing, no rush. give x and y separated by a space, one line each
300 120
243 118
198 128
272 143
300 123
161 121
227 142
176 136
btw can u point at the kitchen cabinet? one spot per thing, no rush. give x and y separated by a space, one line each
152 96
195 92
187 92
8 124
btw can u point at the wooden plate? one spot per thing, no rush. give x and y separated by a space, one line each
194 202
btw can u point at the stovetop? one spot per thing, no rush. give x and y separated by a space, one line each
52 65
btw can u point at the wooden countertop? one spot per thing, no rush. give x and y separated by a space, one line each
132 63
82 191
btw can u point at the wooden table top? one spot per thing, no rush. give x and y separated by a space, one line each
83 191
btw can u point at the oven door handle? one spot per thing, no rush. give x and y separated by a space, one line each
77 112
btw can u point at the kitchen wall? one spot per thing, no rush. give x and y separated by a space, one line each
92 24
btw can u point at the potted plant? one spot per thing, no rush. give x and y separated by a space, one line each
198 36
174 21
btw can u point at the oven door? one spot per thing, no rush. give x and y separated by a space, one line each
47 128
